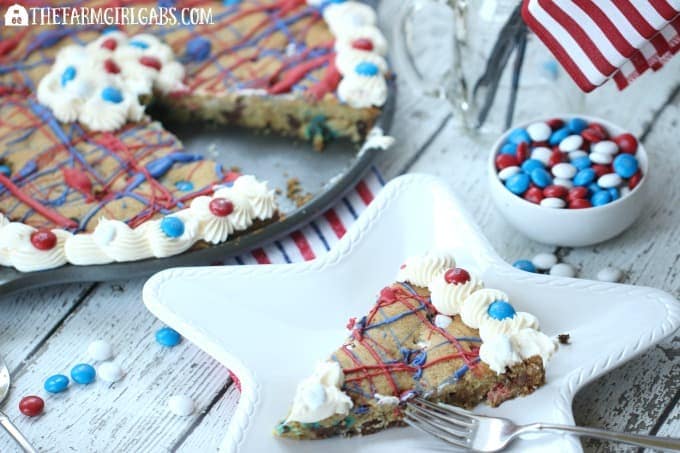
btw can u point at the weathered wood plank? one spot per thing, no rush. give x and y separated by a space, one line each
130 415
208 435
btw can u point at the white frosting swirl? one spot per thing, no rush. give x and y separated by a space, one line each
498 352
214 229
243 214
347 61
490 327
119 242
75 86
344 17
530 342
163 245
448 298
18 251
258 194
505 350
319 396
420 270
475 307
369 32
361 91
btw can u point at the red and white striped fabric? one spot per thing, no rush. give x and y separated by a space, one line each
321 234
596 40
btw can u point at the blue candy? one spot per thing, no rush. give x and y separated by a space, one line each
541 177
184 186
56 384
112 95
83 373
600 198
173 227
558 136
524 265
168 337
614 193
5 170
518 136
593 187
577 125
366 68
584 177
198 48
68 75
500 309
625 165
530 165
508 148
581 162
518 183
139 44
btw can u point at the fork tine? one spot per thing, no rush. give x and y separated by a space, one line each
463 428
421 425
465 417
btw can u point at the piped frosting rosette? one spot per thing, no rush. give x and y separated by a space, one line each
421 270
100 84
451 288
360 52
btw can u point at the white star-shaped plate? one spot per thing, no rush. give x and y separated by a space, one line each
271 324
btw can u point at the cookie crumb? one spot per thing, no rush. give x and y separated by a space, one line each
295 193
563 338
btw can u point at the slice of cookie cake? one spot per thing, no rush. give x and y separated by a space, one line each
437 333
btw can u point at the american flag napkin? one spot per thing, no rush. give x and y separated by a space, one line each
596 40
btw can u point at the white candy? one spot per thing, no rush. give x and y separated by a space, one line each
508 172
605 147
563 182
625 190
110 372
610 274
442 321
539 132
542 153
576 154
609 180
563 270
563 170
601 158
571 143
181 405
544 261
553 202
100 350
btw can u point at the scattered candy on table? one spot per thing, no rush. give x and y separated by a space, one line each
168 337
83 373
181 405
544 261
56 383
110 372
524 265
570 164
610 274
100 350
563 270
31 405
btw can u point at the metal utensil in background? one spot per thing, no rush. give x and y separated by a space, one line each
6 423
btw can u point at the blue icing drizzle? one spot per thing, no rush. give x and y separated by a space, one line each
184 186
420 359
198 48
29 168
68 75
5 170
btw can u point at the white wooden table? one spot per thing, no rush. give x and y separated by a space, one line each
47 331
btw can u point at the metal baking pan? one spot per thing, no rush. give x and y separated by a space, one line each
327 175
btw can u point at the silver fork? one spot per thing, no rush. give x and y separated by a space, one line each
464 429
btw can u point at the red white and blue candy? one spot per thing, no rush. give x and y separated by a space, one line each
570 163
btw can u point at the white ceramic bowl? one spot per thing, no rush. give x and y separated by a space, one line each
569 227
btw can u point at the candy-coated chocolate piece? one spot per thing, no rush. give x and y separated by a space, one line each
582 163
524 265
554 191
542 153
457 276
634 180
579 203
584 177
601 170
601 198
500 310
505 173
544 261
56 383
564 170
165 336
541 177
605 147
625 165
518 184
173 227
539 132
182 405
577 192
31 405
534 195
571 143
564 182
563 270
554 203
519 135
609 180
506 160
100 350
577 125
110 372
43 239
610 274
627 143
83 373
558 136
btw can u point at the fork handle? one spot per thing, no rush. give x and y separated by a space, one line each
641 440
16 434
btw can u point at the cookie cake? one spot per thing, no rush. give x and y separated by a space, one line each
435 333
88 177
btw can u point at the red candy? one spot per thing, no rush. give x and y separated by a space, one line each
221 207
506 160
110 44
363 44
151 62
554 191
522 152
555 123
599 128
593 135
602 169
111 67
577 192
31 405
534 195
579 203
634 180
627 143
43 239
555 158
457 276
